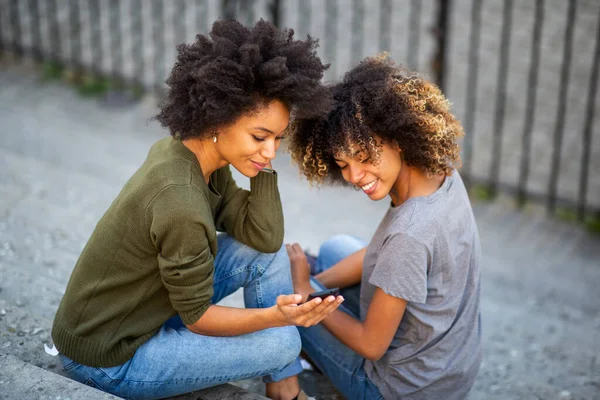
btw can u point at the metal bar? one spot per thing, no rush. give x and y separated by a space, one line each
159 45
228 8
137 41
441 32
201 17
331 34
179 21
1 38
36 34
587 130
501 85
96 40
275 9
116 45
414 34
562 106
471 98
358 13
385 25
54 32
249 12
305 11
75 35
15 25
530 102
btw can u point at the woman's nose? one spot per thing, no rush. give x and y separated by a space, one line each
268 150
356 174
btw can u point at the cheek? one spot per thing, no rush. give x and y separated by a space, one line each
345 174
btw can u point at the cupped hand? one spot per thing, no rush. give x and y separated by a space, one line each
291 311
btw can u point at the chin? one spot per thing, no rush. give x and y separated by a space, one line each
247 172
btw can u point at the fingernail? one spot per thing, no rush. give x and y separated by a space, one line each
340 299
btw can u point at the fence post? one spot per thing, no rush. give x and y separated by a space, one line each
441 33
275 9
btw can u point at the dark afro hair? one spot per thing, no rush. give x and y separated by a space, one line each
378 99
236 70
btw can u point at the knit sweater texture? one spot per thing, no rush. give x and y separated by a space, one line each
151 256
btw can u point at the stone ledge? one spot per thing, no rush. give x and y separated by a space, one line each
20 380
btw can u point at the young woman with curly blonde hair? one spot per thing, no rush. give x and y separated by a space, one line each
410 324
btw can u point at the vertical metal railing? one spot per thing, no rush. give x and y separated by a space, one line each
385 25
116 44
75 56
158 37
358 11
414 29
36 33
587 131
441 33
331 11
562 106
532 83
501 85
95 37
126 40
54 30
202 23
471 95
15 27
137 42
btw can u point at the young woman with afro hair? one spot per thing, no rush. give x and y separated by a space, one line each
139 317
409 327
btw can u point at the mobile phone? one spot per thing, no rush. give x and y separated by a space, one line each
324 294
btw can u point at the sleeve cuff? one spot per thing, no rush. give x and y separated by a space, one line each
190 317
264 185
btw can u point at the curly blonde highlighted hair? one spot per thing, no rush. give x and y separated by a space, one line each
379 98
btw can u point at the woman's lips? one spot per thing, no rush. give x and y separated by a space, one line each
258 165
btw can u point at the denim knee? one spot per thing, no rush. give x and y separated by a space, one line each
279 260
286 346
341 242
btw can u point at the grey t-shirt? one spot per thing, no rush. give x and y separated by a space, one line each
427 252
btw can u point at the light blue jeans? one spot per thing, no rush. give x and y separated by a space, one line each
342 365
177 361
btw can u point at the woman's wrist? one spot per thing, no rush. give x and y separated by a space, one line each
275 318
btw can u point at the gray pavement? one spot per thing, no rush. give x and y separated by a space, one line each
63 158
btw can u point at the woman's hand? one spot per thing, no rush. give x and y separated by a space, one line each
291 311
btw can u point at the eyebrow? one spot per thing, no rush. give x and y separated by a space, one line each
266 130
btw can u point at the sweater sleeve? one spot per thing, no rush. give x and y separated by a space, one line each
185 261
253 217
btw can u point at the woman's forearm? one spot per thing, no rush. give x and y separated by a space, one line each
230 321
345 273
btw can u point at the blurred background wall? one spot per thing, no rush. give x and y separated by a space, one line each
522 74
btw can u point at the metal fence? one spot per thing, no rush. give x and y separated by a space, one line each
523 75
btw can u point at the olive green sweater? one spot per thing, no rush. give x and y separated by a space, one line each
151 255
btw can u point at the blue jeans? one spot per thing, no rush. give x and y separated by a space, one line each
176 360
342 365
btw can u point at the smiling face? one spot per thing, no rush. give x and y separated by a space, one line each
250 143
376 180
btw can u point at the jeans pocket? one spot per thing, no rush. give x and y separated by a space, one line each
67 363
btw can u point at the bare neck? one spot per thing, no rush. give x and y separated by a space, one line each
207 155
415 183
